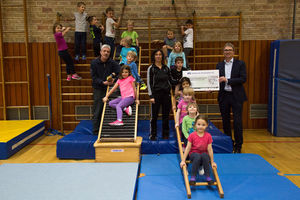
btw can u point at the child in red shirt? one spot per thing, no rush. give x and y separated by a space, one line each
199 148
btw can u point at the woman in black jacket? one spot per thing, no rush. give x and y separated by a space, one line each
159 82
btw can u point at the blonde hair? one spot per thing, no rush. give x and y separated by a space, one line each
179 44
192 104
133 54
189 91
128 40
130 22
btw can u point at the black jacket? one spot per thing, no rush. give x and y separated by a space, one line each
101 70
159 80
237 79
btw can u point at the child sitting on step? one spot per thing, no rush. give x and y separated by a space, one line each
199 149
128 95
131 58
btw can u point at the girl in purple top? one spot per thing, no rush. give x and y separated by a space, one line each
199 148
63 53
128 94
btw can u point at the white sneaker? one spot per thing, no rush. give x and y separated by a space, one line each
201 171
128 111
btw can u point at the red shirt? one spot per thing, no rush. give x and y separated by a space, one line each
199 144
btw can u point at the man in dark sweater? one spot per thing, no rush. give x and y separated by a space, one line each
101 68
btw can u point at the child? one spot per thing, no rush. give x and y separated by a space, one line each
199 148
131 57
187 39
183 83
95 31
128 94
177 52
169 42
176 73
188 121
80 31
110 27
62 47
133 34
188 97
125 49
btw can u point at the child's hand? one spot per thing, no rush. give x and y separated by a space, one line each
182 164
174 107
214 165
105 99
176 125
137 101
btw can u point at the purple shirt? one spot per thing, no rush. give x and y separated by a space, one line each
60 41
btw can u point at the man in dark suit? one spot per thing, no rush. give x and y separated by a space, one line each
232 94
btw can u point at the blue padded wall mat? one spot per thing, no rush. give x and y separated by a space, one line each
243 176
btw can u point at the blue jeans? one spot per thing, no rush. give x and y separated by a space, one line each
80 40
111 42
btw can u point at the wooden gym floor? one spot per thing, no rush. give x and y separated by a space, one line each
282 152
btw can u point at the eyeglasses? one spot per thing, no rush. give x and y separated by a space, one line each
228 49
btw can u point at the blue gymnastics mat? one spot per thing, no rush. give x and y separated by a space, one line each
243 177
68 181
16 134
79 143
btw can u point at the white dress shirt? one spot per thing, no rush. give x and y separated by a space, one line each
228 68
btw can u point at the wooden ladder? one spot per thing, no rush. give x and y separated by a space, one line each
184 168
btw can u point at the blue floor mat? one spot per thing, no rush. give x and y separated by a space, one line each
243 177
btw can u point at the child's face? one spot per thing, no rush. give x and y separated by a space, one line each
192 109
170 35
130 27
177 48
58 29
179 65
200 125
185 84
110 14
94 21
187 97
81 8
125 73
130 58
189 25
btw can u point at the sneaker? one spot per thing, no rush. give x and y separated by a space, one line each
77 58
76 77
128 111
116 123
143 86
201 171
193 180
68 77
209 180
83 57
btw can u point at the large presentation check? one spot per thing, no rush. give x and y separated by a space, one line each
203 80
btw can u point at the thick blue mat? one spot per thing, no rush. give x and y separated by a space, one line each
68 181
79 143
243 177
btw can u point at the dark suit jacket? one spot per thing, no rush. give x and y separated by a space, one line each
238 77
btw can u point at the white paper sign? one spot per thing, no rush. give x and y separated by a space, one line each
203 80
